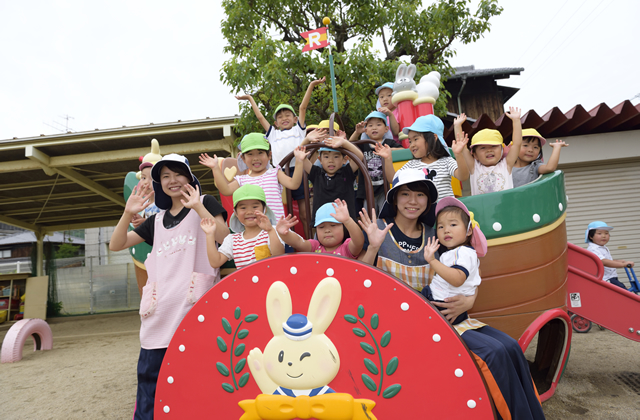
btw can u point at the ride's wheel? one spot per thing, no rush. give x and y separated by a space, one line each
580 324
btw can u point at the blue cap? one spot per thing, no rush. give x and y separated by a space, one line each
297 327
323 214
376 114
388 85
328 149
428 124
598 225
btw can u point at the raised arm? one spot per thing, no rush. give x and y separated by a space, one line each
341 142
355 233
225 187
192 201
458 146
393 123
358 132
293 182
552 163
139 199
374 234
305 101
384 151
275 245
263 121
216 259
290 238
453 276
516 138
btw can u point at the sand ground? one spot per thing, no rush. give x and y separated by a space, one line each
91 374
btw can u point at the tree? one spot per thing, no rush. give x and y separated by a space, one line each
264 41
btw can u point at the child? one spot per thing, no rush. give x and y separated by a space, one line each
145 183
255 238
457 273
385 94
287 131
597 236
375 125
331 221
529 164
430 152
256 154
489 169
178 271
334 179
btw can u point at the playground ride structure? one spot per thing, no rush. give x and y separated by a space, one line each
18 334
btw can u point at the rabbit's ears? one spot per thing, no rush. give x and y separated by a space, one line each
406 72
322 308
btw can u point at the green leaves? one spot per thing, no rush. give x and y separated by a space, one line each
250 318
392 366
222 369
374 321
368 382
368 348
221 344
226 325
237 351
360 311
386 338
351 319
359 332
371 367
391 391
243 333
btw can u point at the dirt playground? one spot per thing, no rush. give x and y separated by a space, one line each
91 374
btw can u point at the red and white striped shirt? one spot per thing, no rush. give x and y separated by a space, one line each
246 251
268 181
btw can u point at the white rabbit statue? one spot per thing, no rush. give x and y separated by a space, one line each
404 78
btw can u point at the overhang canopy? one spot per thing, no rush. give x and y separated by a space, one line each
75 180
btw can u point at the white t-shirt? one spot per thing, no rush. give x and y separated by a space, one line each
283 142
603 253
445 167
246 251
487 179
463 258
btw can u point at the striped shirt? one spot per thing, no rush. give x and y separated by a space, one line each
246 251
444 167
268 181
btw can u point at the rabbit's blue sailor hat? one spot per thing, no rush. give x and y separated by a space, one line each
297 327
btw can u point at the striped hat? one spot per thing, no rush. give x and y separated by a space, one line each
297 327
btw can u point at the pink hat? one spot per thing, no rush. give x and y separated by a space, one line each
478 240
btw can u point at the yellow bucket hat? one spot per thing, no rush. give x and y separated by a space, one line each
324 124
532 132
487 137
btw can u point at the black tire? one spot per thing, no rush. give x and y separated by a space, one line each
580 325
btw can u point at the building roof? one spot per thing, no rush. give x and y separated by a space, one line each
75 180
577 121
28 237
472 72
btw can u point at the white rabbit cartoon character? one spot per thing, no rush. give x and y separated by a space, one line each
300 359
404 79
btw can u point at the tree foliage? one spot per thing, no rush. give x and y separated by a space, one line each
263 38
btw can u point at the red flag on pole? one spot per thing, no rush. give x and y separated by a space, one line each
315 39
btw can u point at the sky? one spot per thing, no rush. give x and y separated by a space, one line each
84 65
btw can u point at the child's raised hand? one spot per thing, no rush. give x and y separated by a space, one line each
208 161
514 113
360 127
431 248
243 97
370 226
460 119
460 142
285 224
386 111
317 82
263 221
317 135
208 225
342 211
382 150
191 194
558 143
136 220
334 142
140 198
300 153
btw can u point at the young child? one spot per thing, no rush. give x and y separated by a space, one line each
489 169
430 152
178 271
332 219
457 271
334 179
255 237
145 183
375 125
597 236
529 164
287 131
385 93
256 154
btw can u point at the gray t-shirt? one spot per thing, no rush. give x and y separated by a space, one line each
526 174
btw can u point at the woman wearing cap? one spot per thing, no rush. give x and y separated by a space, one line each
529 164
597 236
179 273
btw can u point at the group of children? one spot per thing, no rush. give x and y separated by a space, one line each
398 236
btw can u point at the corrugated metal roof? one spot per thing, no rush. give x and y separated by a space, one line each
577 121
500 73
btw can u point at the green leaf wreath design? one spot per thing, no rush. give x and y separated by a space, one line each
237 351
372 367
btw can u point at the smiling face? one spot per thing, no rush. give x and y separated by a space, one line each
332 161
246 212
375 128
285 119
330 234
601 237
530 149
451 228
417 144
384 96
172 182
257 160
487 154
410 204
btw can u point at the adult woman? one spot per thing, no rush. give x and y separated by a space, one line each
396 244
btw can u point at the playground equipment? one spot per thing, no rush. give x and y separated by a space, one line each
14 341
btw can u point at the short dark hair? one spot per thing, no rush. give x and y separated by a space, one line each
264 205
179 169
592 232
530 139
417 186
464 217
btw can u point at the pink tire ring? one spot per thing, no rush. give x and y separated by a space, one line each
18 334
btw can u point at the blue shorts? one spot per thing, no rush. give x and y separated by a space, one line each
298 194
149 364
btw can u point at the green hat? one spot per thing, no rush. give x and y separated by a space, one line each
281 107
249 192
254 141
